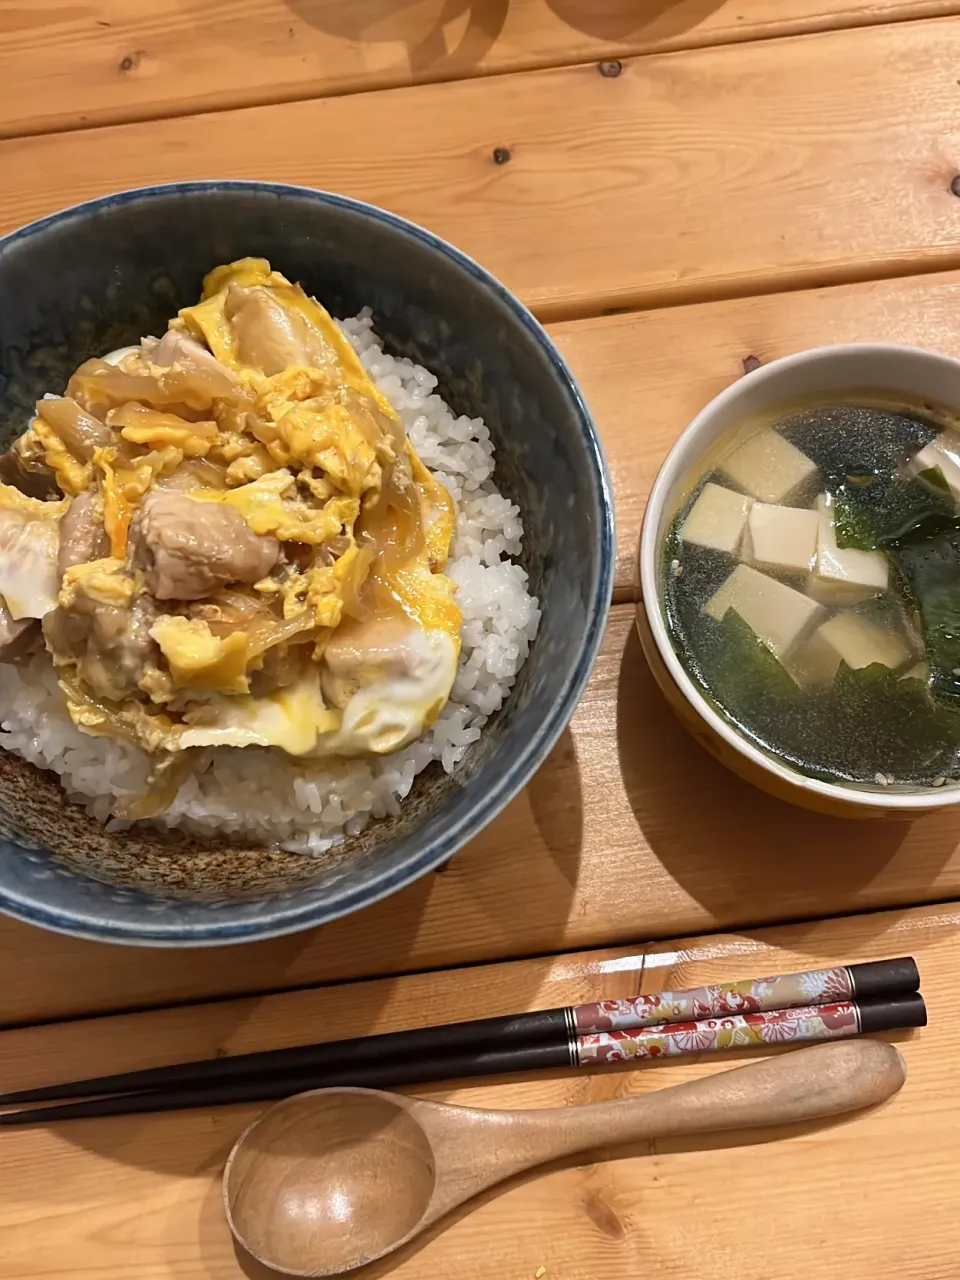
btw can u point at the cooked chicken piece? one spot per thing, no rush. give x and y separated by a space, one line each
18 638
82 535
268 336
179 349
362 653
389 678
252 316
189 549
102 626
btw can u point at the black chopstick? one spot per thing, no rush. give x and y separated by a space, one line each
507 1034
730 1032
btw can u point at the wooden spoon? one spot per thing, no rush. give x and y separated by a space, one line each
329 1180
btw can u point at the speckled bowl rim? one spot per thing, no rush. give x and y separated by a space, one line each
676 465
287 918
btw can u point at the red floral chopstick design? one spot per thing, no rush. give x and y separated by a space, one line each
753 995
776 1026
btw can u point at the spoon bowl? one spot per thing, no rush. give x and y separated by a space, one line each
329 1180
337 1176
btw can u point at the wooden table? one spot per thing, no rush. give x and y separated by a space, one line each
689 185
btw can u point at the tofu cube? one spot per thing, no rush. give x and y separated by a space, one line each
783 539
717 519
768 467
944 452
776 613
843 576
853 639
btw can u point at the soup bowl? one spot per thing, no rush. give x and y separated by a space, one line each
884 369
104 274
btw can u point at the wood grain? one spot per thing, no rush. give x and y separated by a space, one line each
629 831
138 1199
110 60
706 173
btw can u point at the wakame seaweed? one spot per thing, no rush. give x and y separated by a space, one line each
876 511
931 570
854 439
879 722
741 670
862 454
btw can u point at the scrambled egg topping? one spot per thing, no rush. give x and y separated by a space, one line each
250 550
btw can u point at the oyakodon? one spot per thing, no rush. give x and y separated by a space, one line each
232 541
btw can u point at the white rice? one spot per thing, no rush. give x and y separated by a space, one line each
307 807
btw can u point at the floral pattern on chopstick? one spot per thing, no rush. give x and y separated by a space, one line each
775 1026
753 995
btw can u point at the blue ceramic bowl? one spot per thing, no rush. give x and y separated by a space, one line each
103 274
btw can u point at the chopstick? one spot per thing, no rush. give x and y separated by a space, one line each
769 1027
503 1035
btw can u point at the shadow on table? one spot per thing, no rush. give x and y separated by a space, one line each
659 21
745 857
421 31
521 872
424 32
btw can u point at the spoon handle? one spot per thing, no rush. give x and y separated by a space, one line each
807 1084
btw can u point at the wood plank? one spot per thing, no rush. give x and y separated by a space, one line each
630 831
139 1198
111 61
711 172
645 375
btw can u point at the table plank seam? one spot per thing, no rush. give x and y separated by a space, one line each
650 948
266 993
704 292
